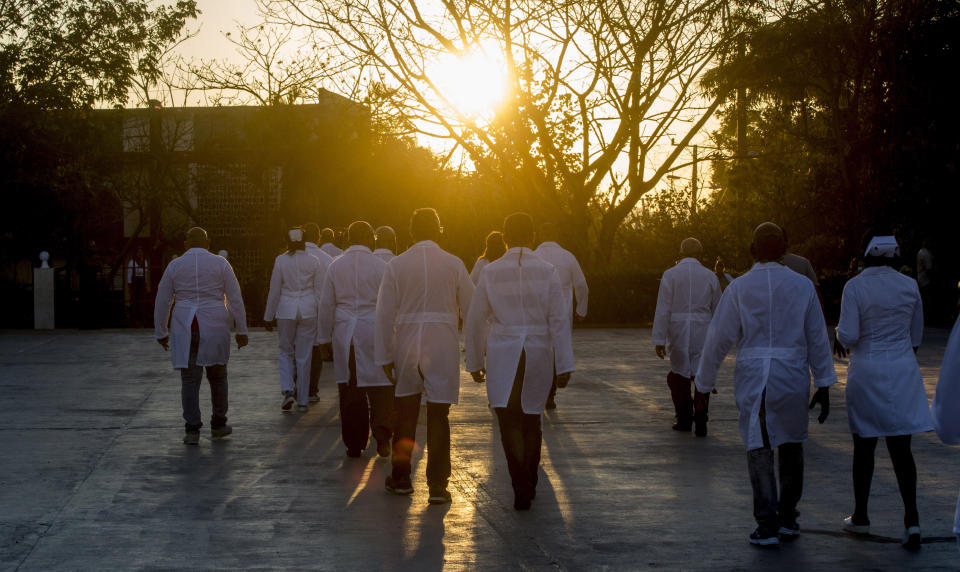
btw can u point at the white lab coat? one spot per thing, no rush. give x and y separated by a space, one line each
688 295
348 312
295 287
324 258
946 402
519 306
202 284
881 321
384 254
478 266
422 292
571 276
331 249
774 316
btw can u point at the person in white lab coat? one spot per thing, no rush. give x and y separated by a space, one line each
492 250
946 404
688 295
881 323
517 335
572 282
423 293
385 242
294 291
327 242
311 235
205 298
773 315
348 307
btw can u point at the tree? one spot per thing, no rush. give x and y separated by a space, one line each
596 89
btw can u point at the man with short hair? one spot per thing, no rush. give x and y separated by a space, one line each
572 282
688 295
774 317
423 293
205 298
518 328
348 308
386 243
311 234
328 242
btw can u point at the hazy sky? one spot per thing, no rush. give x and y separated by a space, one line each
218 16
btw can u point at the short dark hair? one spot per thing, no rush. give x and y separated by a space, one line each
311 232
518 229
425 224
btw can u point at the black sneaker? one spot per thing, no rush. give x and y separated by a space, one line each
288 401
912 539
763 540
383 449
191 438
439 496
789 531
551 404
218 433
398 487
521 502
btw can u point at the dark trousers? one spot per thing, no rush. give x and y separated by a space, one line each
364 409
682 402
903 466
407 410
770 512
316 368
191 377
521 437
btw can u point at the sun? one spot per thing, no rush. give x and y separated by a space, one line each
473 83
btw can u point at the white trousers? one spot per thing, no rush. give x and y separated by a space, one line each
296 349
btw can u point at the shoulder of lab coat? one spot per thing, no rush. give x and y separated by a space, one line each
946 401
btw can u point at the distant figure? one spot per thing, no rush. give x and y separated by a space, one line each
881 322
801 265
720 270
328 240
295 288
688 295
206 299
137 279
385 240
91 288
348 312
311 236
572 281
773 316
946 403
423 292
518 334
493 249
926 280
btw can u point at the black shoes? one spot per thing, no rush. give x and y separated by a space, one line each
398 487
191 438
439 496
219 433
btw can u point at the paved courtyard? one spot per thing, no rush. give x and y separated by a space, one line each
93 475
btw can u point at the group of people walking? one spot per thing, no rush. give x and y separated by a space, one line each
774 316
389 323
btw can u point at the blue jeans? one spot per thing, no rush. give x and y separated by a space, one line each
191 377
769 511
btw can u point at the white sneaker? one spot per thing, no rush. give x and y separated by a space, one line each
911 538
303 408
848 526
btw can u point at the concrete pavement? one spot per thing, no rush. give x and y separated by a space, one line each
94 476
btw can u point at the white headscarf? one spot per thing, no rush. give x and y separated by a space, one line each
883 246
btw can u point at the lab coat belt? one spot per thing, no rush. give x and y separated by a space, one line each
771 353
428 318
867 346
510 330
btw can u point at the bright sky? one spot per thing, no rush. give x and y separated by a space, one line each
218 16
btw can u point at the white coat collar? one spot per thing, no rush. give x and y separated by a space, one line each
330 243
357 248
549 243
766 265
383 251
309 244
196 250
877 270
425 243
517 249
689 260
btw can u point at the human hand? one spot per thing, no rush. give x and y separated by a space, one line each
242 340
165 342
479 376
661 351
390 371
822 396
839 349
563 379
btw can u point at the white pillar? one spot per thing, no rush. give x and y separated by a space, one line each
43 302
